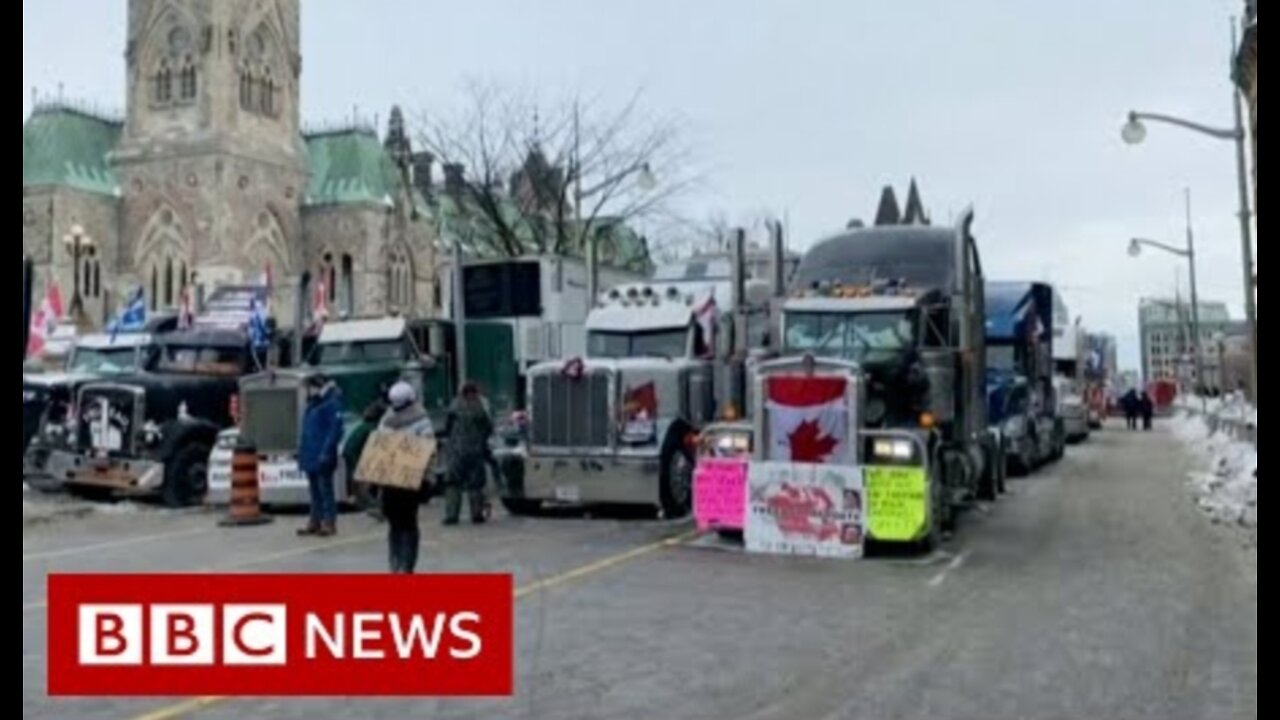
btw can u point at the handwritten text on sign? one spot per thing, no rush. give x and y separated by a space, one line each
897 503
396 460
720 494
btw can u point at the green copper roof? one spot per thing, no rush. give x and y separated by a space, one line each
349 167
68 148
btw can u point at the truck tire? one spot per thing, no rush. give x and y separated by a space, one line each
676 483
186 477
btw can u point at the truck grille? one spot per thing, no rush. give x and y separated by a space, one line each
108 420
270 418
572 412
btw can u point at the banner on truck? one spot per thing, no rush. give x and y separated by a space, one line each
806 510
720 494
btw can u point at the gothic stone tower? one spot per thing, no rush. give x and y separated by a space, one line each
211 162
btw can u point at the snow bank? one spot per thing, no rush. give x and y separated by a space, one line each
1225 482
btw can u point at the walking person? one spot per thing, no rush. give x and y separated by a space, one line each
353 450
1148 408
467 432
318 454
399 506
1130 404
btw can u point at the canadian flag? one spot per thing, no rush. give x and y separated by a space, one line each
809 420
320 301
45 321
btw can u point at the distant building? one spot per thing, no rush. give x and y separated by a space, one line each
1168 348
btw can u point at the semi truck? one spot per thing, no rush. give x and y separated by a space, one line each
619 425
1022 405
882 365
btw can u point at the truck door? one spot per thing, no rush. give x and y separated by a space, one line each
491 362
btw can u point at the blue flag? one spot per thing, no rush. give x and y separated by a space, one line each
259 332
133 318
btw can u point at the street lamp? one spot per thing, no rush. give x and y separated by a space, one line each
1135 132
77 242
1136 247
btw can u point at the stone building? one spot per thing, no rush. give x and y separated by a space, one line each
208 179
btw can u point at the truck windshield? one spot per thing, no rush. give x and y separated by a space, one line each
661 343
219 361
360 353
113 361
877 337
1002 357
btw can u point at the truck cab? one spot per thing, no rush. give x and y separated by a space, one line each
619 425
48 398
151 432
364 358
1021 397
892 316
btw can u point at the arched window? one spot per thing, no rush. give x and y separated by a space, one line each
329 274
188 81
168 283
268 98
348 285
400 280
163 83
97 279
246 89
155 288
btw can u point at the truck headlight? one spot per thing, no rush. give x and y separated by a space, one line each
725 445
889 449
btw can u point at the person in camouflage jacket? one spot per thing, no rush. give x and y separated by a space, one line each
467 432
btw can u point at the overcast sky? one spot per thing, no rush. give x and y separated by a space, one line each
809 107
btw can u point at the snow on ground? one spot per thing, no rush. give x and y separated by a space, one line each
1226 481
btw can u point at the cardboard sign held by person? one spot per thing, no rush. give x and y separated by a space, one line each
396 460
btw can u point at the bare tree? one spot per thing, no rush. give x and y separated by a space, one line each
544 180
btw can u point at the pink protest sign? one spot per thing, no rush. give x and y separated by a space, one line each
720 494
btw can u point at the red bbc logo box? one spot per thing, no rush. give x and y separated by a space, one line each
281 636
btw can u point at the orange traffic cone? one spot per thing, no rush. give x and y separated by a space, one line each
246 497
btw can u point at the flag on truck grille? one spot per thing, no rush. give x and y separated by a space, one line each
808 420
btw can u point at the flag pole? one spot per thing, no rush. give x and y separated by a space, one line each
28 276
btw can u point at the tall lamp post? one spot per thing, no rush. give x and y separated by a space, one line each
1135 132
78 243
646 181
1136 247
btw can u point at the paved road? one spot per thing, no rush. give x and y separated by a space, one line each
1095 591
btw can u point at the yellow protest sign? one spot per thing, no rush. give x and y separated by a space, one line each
396 460
897 503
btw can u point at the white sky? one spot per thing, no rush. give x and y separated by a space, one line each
809 107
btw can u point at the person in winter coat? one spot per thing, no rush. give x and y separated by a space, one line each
400 507
468 430
1131 406
1147 407
322 428
353 450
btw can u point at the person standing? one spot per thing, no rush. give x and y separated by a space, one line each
1129 403
468 430
400 506
1148 408
318 454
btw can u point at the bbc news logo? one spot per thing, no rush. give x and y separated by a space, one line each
286 636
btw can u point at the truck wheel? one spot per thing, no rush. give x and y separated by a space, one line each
677 479
522 508
187 477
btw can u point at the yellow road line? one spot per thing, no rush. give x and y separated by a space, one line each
192 706
260 560
68 552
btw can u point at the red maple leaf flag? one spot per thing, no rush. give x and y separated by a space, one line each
809 420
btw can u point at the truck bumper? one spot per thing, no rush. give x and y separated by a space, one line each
588 480
123 476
